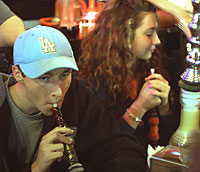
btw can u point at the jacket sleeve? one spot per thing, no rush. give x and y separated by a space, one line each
5 12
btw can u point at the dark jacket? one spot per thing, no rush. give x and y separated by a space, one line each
100 145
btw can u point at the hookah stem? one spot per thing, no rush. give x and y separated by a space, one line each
75 166
153 122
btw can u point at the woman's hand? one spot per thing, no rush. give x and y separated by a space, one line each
154 92
161 89
146 99
51 148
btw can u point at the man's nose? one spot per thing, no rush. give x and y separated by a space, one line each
56 91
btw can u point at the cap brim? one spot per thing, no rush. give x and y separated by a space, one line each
36 69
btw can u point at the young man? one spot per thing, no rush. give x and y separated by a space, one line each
29 137
11 26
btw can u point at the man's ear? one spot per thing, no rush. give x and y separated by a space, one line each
17 73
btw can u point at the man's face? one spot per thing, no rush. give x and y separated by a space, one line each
146 37
42 92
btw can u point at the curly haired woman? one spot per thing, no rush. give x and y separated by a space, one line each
115 64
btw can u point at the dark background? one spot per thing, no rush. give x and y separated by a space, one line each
32 9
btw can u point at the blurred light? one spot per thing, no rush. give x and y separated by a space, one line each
87 24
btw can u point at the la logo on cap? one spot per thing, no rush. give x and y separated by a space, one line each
47 45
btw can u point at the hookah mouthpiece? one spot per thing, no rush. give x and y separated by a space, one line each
152 70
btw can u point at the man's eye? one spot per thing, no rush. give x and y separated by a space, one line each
64 75
43 78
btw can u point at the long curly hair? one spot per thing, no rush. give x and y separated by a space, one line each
107 54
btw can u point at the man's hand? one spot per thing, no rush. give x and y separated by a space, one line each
51 148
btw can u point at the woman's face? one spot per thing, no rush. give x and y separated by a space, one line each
146 37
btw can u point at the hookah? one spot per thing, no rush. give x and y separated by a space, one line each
190 89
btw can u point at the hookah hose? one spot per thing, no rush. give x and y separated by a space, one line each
153 122
70 153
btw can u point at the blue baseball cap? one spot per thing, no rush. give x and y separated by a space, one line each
42 49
